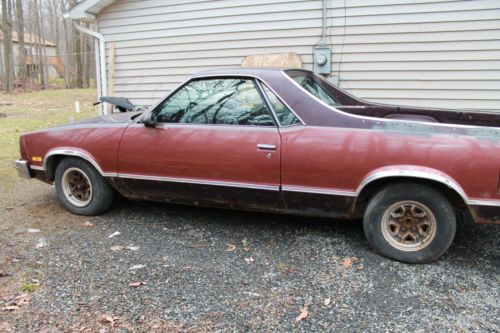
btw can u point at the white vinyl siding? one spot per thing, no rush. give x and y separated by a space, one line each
424 52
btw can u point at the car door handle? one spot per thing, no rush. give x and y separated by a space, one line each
263 146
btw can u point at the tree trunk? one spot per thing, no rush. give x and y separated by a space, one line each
78 58
40 45
21 72
7 43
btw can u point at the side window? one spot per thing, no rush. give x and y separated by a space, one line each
311 84
231 101
285 116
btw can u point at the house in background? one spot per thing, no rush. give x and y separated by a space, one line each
54 64
437 53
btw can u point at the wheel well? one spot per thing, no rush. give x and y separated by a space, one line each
54 161
51 166
372 188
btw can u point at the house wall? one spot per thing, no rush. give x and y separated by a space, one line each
423 52
50 51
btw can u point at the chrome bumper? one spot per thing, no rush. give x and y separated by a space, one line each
23 170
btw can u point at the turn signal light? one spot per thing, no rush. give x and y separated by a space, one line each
36 159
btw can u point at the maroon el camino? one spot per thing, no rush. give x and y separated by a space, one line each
284 141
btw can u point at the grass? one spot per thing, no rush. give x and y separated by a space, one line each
37 110
29 287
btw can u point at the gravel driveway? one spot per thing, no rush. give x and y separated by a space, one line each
176 269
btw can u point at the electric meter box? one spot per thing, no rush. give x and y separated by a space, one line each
322 60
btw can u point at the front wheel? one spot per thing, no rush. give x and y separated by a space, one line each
409 222
81 189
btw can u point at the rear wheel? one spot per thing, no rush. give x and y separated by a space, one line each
409 222
81 189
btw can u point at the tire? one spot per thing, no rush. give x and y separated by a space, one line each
81 189
409 222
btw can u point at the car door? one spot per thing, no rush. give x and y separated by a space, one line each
215 142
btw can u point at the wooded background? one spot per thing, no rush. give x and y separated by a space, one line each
37 22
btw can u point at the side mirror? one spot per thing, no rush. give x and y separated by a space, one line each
149 123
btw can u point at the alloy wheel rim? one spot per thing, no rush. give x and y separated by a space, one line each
408 225
77 187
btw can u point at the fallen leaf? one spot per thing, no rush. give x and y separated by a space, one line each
88 224
327 301
10 308
136 284
231 247
108 320
133 248
116 248
136 267
246 248
347 262
284 268
42 242
303 314
23 300
249 260
359 268
116 233
252 294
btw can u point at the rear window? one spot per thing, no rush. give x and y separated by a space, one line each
314 86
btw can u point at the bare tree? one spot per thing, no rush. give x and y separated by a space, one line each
37 22
40 46
21 72
7 45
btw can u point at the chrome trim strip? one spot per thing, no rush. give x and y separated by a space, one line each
347 193
77 153
200 182
194 77
413 174
163 125
375 119
263 95
36 167
318 190
289 188
284 102
484 202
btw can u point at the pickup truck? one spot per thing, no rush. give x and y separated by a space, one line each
284 141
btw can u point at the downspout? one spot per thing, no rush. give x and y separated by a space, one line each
102 60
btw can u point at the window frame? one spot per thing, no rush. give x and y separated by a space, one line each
262 83
255 82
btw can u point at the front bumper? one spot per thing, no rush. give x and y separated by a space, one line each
23 169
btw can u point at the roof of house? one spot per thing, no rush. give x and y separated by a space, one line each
30 39
87 10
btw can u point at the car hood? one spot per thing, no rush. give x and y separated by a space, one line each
115 118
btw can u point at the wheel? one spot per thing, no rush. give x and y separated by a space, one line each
81 188
409 222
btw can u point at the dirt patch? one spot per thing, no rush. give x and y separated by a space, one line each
2 115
